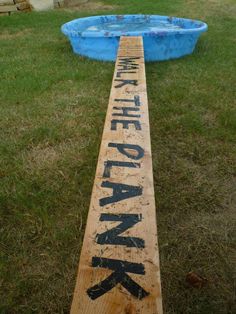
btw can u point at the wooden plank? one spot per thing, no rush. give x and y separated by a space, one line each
20 1
119 268
6 2
8 8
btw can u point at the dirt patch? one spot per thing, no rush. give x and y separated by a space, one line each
41 157
44 157
8 35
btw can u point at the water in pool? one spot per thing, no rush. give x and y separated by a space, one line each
133 27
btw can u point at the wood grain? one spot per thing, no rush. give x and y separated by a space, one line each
119 269
6 2
8 8
14 5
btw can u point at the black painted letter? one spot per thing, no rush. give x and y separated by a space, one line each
112 236
110 163
136 100
121 268
126 82
125 150
125 123
125 112
120 192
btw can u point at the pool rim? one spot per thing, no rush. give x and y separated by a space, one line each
104 33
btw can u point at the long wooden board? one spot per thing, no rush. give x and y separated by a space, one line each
119 268
16 5
8 8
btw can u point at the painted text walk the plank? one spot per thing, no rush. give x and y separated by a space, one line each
119 268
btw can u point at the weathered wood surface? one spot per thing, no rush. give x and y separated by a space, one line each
12 2
6 2
14 5
20 1
119 268
8 8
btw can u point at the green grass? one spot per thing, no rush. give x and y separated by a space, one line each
52 110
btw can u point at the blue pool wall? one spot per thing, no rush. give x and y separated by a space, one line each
158 45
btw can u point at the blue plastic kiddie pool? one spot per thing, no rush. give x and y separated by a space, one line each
164 37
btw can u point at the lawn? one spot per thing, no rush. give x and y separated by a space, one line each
52 109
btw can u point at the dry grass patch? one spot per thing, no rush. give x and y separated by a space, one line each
90 6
